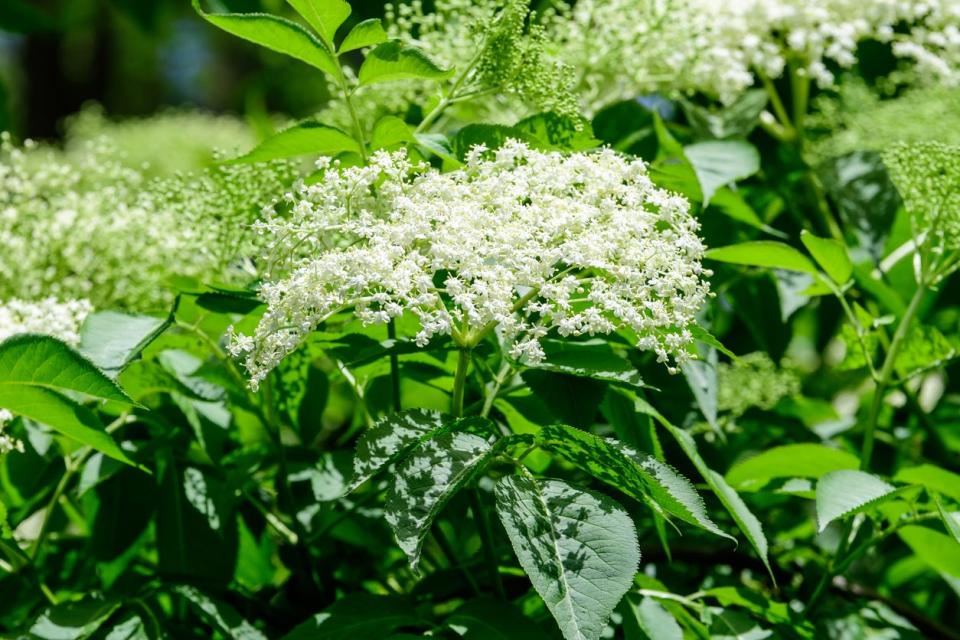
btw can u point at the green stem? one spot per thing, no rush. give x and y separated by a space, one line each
460 382
505 369
886 373
447 548
486 540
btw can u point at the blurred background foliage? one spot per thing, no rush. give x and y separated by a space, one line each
137 57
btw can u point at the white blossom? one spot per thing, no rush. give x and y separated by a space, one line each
49 317
516 240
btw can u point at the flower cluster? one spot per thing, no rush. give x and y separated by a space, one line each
927 175
857 118
498 50
630 47
49 317
85 224
518 241
754 380
163 144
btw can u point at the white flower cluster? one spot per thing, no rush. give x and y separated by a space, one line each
517 240
49 317
86 225
630 47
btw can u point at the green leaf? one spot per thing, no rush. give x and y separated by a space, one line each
933 478
936 549
45 362
590 359
718 163
394 60
73 620
559 132
636 474
224 617
789 461
645 618
579 549
275 34
951 520
830 254
391 439
364 34
424 483
735 120
325 16
36 371
845 492
491 136
306 138
390 131
741 514
763 253
112 339
489 619
358 616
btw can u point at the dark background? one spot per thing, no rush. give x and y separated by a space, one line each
138 56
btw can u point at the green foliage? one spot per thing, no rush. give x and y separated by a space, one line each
407 471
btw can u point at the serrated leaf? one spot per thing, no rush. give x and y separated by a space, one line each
36 372
394 60
358 616
324 16
742 516
424 483
45 362
718 163
364 34
645 618
830 254
932 477
845 492
790 461
306 138
390 439
579 549
591 359
560 132
763 253
276 34
638 475
748 523
112 339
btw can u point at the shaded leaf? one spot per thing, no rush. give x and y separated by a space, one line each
932 477
221 615
72 620
638 475
644 618
489 619
938 550
390 439
358 616
424 483
579 549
